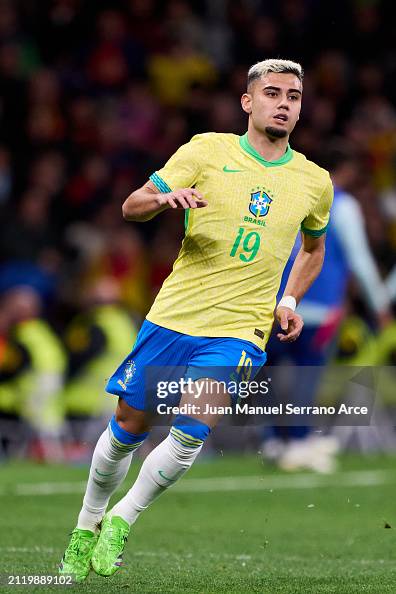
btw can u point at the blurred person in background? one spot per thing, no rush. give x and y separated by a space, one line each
28 234
386 344
32 367
87 189
173 74
46 125
122 258
391 284
323 308
95 339
114 57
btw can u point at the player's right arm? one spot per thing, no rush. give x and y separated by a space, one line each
173 186
146 202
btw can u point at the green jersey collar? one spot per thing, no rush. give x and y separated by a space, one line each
245 144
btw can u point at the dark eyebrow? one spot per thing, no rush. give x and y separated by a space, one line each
278 89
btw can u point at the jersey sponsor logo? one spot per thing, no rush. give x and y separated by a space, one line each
227 169
259 203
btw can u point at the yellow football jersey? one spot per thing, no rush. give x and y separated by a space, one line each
226 277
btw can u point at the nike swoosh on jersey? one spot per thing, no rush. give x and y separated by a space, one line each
227 170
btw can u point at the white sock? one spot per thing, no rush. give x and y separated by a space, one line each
109 466
169 460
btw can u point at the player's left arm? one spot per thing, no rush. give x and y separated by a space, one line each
306 268
307 264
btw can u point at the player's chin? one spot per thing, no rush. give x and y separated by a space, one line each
276 131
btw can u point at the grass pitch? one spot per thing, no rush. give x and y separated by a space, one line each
230 526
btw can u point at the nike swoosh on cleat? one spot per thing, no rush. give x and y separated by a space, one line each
227 170
165 477
104 473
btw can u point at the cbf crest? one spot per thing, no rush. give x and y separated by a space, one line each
259 203
129 371
127 375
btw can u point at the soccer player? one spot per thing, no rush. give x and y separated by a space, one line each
245 200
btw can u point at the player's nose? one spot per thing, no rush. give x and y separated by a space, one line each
283 104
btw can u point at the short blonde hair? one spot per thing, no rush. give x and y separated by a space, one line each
274 65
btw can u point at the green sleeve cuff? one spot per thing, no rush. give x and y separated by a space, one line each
313 232
160 183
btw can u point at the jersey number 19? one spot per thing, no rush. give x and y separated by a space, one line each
250 245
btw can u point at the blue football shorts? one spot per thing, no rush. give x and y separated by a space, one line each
160 354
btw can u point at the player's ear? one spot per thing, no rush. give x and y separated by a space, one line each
246 102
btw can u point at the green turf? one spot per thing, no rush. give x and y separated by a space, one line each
272 540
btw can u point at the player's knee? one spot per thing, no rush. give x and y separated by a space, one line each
130 419
188 435
124 440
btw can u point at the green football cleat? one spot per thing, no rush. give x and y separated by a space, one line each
107 556
77 558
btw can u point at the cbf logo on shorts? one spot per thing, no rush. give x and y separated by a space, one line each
128 374
259 203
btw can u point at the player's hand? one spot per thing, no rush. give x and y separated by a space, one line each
184 198
290 322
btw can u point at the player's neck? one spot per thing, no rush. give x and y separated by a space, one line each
269 149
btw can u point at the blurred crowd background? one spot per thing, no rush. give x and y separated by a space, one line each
95 96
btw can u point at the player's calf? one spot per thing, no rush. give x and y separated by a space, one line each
160 470
110 464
